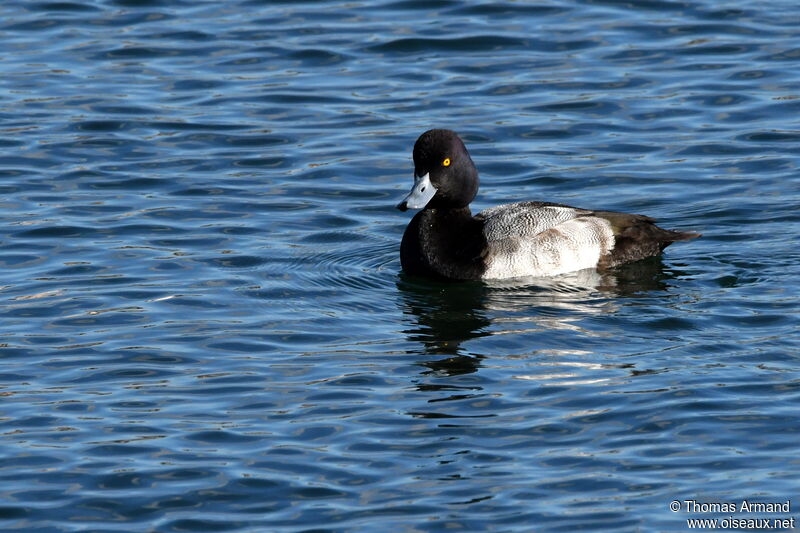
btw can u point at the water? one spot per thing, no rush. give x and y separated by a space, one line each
203 322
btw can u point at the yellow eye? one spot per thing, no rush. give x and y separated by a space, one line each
446 162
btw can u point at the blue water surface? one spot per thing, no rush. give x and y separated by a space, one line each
204 326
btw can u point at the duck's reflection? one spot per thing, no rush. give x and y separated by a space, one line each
543 331
446 315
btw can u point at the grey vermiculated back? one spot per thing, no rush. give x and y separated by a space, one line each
540 239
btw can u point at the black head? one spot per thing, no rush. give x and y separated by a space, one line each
441 160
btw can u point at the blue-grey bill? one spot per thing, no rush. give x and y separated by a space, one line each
420 194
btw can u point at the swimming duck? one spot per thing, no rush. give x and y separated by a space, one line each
444 240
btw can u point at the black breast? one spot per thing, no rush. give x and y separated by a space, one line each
444 244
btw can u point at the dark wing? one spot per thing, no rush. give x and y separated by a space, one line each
637 237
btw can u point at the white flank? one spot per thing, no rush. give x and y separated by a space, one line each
558 247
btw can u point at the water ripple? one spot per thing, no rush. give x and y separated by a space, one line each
203 321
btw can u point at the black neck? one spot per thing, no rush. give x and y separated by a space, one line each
451 242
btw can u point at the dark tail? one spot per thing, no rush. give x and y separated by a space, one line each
637 237
673 236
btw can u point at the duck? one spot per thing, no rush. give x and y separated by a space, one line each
445 241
